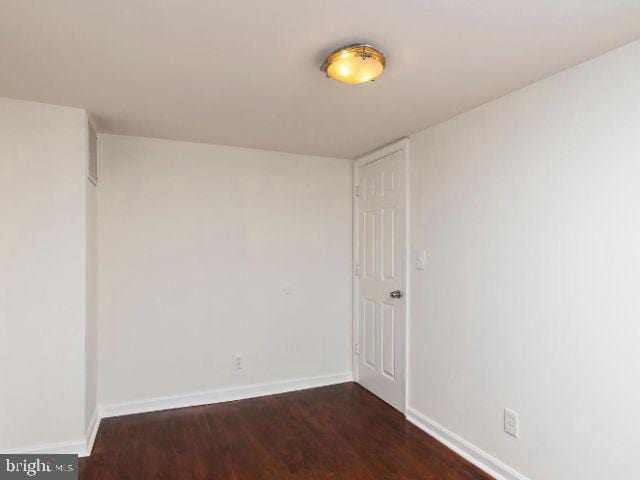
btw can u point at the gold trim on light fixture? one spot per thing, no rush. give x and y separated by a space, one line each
354 64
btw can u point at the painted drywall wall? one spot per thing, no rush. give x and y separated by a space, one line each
42 274
209 251
529 211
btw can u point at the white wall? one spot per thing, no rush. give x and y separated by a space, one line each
42 274
529 211
209 251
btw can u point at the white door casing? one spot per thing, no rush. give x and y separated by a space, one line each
380 245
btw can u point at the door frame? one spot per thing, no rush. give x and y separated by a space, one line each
399 145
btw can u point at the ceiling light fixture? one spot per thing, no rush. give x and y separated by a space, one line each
354 64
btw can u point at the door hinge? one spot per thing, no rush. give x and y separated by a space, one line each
357 349
357 269
356 190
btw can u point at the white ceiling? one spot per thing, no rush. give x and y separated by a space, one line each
246 72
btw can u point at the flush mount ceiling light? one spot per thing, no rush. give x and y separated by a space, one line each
354 64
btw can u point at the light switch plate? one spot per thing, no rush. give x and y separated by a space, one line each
421 259
238 363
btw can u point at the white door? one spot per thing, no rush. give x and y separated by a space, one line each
380 273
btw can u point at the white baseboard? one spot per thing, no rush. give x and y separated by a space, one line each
75 447
83 447
92 431
221 395
462 447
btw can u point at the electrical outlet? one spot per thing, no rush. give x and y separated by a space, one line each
421 260
511 422
237 362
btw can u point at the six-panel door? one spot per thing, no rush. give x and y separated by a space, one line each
381 227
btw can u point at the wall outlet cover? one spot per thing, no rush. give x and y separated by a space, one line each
511 422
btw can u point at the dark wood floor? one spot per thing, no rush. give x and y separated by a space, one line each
337 432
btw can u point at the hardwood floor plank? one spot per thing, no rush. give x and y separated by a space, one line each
330 433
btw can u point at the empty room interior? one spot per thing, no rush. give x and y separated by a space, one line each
320 239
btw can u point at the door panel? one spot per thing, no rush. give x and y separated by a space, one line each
369 244
369 340
388 241
381 255
388 340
